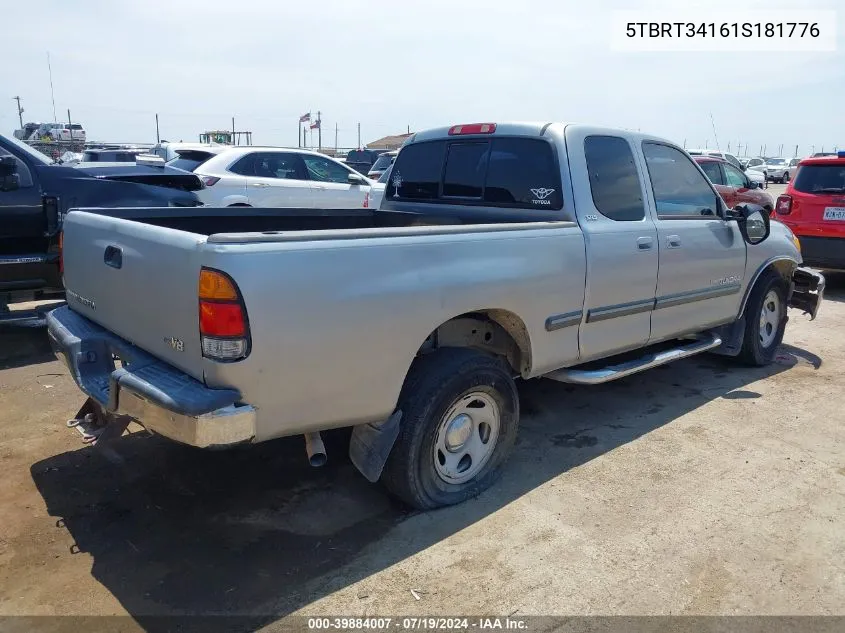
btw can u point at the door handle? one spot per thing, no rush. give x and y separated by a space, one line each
673 241
260 184
113 257
644 243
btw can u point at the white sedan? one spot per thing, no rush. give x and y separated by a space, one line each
756 176
276 177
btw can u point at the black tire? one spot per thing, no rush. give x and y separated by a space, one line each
753 352
785 177
435 382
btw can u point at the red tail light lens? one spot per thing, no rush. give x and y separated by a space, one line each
472 128
209 181
784 205
61 253
221 319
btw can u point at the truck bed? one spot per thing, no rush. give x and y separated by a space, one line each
336 313
212 220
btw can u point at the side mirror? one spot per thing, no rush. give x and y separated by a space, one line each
357 179
753 222
753 184
9 179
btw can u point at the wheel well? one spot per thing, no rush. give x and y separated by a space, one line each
497 332
783 268
240 204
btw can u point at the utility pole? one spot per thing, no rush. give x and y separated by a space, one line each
409 128
796 152
158 138
69 128
319 131
335 139
234 136
20 110
359 135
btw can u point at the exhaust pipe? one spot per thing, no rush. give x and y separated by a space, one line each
316 449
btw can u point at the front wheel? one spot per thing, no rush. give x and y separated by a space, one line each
460 412
765 321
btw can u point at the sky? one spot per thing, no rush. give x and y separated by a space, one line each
395 65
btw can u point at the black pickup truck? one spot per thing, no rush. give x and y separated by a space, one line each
36 192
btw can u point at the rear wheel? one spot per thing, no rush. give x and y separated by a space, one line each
786 176
460 412
765 321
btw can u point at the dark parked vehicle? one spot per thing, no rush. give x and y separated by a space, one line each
362 160
35 194
117 155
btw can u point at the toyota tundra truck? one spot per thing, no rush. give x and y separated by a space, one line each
499 252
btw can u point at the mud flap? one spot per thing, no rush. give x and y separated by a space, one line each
807 291
371 444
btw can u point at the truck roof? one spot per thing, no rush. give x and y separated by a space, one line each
524 128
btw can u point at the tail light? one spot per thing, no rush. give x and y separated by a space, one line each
366 204
61 253
784 205
224 327
209 181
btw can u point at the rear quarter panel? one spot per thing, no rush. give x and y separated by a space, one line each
335 324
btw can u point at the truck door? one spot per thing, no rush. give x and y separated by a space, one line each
621 243
702 256
22 221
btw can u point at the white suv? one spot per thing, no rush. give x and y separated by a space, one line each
59 132
277 177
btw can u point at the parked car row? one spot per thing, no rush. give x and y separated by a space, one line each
255 176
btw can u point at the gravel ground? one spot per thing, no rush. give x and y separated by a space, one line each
697 488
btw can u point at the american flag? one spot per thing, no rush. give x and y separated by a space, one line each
305 117
315 124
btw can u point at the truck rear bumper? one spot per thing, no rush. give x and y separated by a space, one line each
158 396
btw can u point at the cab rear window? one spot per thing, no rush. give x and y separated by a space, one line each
512 172
820 179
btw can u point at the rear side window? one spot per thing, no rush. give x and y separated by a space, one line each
502 172
820 179
189 161
282 165
713 172
614 180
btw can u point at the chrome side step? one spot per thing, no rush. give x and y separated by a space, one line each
613 372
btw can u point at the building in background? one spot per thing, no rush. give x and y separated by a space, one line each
388 142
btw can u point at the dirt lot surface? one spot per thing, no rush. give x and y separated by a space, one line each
697 488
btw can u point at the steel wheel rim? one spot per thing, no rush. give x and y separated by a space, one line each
466 437
769 318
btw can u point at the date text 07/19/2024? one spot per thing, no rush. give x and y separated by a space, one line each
418 623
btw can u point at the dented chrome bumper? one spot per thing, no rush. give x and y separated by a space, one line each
807 291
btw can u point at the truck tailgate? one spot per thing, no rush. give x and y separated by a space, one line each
139 281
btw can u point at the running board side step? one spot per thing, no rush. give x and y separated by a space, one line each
613 372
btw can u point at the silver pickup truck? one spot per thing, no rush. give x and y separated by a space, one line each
500 251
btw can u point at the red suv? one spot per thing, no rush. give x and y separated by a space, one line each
732 184
814 208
